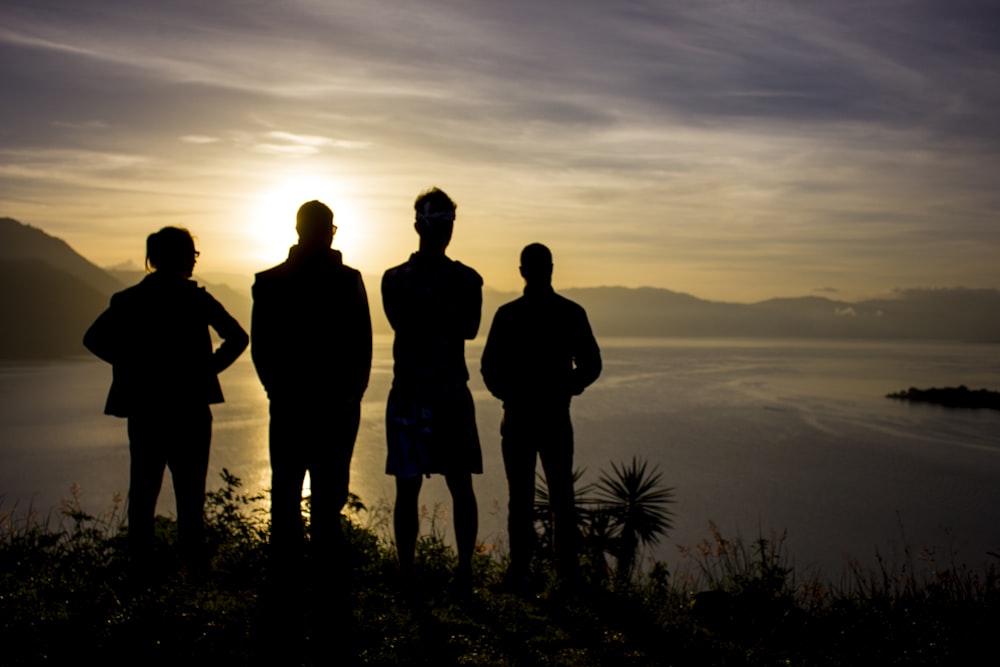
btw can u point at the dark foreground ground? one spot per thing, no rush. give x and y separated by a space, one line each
68 597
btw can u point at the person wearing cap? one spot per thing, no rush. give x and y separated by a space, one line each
539 353
433 304
311 343
165 371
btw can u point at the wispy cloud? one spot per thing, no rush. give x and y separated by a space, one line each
278 141
199 139
57 165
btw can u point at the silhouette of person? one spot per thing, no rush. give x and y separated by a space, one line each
312 348
539 353
433 304
155 335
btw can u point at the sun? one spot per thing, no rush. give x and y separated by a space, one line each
273 215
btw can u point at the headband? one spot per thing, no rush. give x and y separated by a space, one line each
429 218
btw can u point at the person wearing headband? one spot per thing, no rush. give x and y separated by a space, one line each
433 304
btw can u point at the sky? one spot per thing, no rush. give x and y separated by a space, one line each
735 150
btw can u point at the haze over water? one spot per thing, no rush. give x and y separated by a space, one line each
753 435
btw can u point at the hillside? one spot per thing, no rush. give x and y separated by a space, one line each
19 242
924 314
49 319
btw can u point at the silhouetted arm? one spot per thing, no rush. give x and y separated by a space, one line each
494 364
234 338
586 356
393 303
102 336
263 335
472 310
362 321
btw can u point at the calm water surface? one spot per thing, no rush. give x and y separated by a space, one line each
753 435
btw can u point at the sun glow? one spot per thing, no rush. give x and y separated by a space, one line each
273 215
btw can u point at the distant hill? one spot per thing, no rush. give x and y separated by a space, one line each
916 314
18 241
49 318
50 294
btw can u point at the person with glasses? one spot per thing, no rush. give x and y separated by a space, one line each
165 369
312 348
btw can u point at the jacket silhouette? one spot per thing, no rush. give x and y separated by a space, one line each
312 347
312 335
165 372
155 336
540 351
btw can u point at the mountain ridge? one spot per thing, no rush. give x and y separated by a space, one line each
67 292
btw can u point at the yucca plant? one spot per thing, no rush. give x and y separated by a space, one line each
637 505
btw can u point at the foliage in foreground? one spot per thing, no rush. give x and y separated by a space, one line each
67 596
625 510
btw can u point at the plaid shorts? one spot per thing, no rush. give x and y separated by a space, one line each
432 433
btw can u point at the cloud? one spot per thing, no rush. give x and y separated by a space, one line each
312 142
595 68
199 139
38 43
67 165
844 142
279 142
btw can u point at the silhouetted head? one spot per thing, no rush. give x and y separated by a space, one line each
314 223
536 264
435 219
171 250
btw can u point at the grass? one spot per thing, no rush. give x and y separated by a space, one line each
67 597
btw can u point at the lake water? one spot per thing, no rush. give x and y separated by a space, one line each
754 435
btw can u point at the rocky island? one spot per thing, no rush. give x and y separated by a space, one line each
951 397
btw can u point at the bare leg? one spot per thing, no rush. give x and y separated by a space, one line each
406 521
466 520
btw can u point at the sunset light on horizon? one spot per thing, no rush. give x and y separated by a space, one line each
735 151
